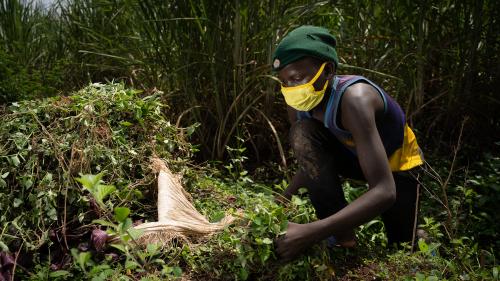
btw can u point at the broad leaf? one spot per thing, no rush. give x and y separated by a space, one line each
121 213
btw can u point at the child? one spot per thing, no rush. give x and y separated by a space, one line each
343 125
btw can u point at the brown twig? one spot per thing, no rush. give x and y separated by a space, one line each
15 262
64 166
415 218
459 209
278 142
444 187
432 173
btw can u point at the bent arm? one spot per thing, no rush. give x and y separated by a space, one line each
360 104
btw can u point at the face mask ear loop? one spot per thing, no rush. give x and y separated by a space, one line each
313 80
317 74
324 87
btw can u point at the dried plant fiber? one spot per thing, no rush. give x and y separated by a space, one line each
177 217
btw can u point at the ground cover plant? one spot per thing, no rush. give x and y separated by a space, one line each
196 91
59 158
75 167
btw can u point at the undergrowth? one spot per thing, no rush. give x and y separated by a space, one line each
76 165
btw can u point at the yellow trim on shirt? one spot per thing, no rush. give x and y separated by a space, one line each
409 155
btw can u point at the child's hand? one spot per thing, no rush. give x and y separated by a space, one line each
294 242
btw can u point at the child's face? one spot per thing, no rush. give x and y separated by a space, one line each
301 72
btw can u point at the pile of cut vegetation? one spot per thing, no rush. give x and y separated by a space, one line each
76 168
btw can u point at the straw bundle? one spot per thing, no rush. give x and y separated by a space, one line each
177 217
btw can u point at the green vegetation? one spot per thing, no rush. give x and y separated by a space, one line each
212 60
90 90
52 202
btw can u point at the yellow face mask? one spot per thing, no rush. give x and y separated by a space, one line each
304 97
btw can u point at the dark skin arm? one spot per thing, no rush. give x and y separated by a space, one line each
360 105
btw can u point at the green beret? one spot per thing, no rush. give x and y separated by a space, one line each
305 41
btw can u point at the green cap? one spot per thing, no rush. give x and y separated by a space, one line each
305 41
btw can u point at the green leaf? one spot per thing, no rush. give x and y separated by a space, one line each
93 184
121 213
135 233
166 270
83 259
125 225
90 181
2 183
17 202
152 248
177 271
103 191
28 183
4 247
119 247
47 178
59 273
243 274
297 201
14 160
159 261
218 216
190 130
130 264
52 213
424 247
267 241
80 258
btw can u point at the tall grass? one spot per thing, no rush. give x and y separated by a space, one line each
30 58
211 59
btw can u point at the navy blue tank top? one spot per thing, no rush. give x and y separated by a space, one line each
390 127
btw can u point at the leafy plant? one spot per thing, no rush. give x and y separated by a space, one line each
99 191
59 154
